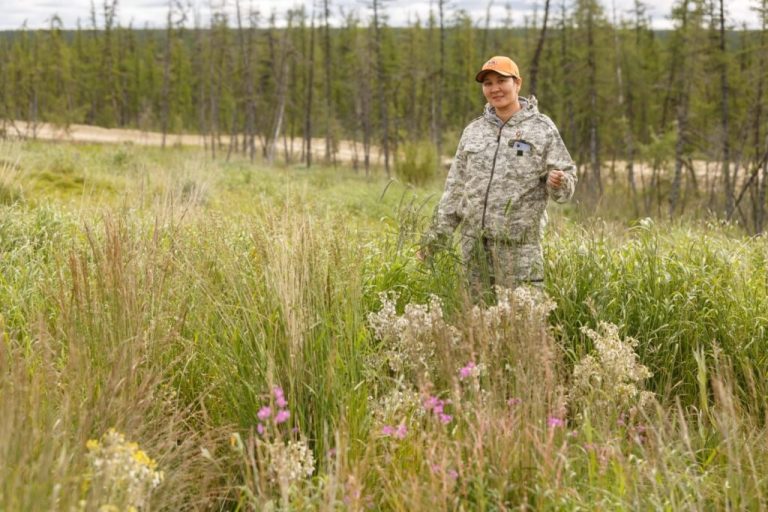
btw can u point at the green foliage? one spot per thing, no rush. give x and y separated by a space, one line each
675 290
418 164
172 320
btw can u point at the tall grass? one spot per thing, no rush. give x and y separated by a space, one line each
677 289
168 298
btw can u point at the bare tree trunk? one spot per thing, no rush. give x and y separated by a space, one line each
682 129
282 92
310 89
626 114
486 32
246 52
433 98
201 100
762 193
365 107
280 112
110 12
594 140
539 48
681 101
33 105
761 186
329 154
213 90
729 195
253 25
381 79
164 113
438 100
288 152
232 134
569 128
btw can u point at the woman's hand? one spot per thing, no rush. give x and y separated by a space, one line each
555 178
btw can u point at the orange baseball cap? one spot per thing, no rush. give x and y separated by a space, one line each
501 65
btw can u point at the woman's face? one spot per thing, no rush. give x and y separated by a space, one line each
500 91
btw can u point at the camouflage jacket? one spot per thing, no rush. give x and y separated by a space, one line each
496 186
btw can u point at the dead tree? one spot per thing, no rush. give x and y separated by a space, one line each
594 139
282 90
329 153
539 47
166 91
681 100
438 100
724 91
310 89
381 79
762 185
246 55
625 107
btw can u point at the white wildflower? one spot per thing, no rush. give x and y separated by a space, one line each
399 403
409 340
521 305
609 379
289 462
121 473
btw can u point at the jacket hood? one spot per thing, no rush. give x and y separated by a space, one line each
529 108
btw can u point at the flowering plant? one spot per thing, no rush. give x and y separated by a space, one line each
121 474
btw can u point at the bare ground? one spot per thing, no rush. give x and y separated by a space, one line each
347 151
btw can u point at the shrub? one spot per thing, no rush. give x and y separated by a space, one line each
419 163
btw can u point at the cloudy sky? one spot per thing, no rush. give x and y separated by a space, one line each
37 13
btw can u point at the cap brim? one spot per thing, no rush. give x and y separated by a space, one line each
481 75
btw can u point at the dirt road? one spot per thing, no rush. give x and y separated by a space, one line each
347 152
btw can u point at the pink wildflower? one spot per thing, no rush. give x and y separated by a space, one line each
453 474
260 429
280 400
401 431
388 430
437 406
282 416
432 402
467 370
514 401
264 413
554 421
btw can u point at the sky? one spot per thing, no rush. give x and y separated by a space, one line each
152 13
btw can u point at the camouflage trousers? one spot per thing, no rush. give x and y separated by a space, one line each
489 263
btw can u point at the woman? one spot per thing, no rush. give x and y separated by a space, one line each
508 163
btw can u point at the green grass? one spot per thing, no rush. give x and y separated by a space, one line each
676 288
166 295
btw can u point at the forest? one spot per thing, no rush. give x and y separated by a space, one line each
675 119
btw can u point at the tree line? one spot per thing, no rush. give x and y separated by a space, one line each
649 107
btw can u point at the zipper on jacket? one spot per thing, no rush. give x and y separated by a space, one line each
490 180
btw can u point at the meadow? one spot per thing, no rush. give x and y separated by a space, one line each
179 333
